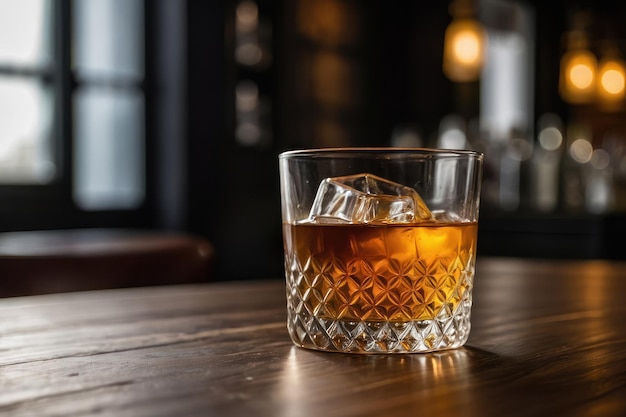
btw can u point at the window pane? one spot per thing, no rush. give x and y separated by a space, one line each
25 32
108 38
25 131
109 147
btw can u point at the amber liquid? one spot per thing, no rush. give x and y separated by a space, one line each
390 272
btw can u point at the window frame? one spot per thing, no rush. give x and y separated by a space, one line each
51 205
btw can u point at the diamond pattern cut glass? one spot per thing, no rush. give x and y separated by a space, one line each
381 287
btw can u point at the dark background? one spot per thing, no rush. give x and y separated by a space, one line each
202 180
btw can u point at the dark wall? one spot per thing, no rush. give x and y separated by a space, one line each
393 51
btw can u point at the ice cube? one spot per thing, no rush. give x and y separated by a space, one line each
366 198
446 217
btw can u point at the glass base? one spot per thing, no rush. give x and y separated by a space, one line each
446 331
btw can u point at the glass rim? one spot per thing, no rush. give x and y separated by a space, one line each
380 152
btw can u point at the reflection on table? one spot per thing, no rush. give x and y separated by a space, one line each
548 338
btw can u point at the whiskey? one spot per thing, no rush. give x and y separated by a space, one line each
380 272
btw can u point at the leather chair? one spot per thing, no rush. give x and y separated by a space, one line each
52 261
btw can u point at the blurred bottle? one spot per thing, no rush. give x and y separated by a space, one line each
615 144
577 153
598 183
545 164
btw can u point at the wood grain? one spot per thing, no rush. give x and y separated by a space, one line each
548 338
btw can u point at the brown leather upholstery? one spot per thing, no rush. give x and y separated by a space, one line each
39 262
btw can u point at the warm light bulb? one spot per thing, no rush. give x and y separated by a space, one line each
467 47
612 81
581 76
578 76
612 77
464 50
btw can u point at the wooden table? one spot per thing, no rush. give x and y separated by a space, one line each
548 338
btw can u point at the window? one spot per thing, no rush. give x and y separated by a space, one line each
108 103
26 78
72 101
